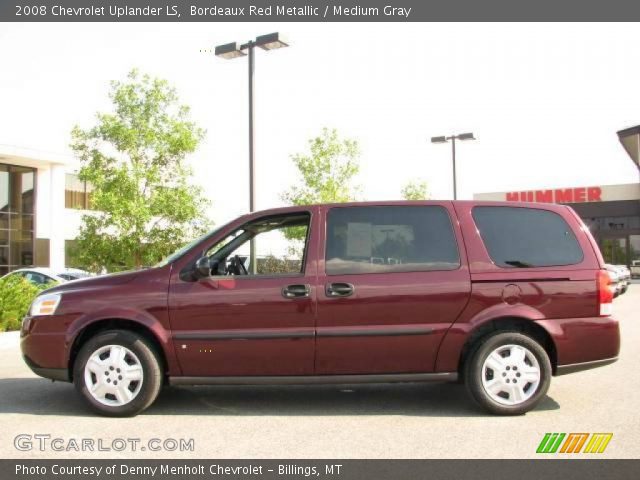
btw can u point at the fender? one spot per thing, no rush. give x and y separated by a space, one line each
143 318
473 318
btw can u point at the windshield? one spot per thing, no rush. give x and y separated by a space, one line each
181 251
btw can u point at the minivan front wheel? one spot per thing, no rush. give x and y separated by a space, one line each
118 373
508 373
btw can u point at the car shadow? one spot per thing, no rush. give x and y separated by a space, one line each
34 396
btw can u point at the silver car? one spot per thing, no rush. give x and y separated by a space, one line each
619 284
43 275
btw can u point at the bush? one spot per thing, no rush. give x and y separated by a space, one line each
16 295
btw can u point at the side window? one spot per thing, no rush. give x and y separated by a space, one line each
280 244
526 237
35 277
390 239
218 247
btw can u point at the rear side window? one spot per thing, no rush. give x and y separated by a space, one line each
390 239
526 237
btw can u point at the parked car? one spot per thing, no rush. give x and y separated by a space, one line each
42 275
625 276
635 269
620 278
500 296
616 280
625 270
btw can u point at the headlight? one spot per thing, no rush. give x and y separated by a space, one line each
45 304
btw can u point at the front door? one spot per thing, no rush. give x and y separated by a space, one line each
393 280
256 314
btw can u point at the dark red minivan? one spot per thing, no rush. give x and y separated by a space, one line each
499 295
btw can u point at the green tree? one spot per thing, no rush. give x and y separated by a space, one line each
415 191
134 157
327 171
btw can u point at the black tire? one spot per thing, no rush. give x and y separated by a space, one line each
473 372
149 361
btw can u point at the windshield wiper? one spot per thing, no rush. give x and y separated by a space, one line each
518 263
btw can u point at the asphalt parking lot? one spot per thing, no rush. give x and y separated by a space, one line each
375 421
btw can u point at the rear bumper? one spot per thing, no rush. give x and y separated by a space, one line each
579 367
583 343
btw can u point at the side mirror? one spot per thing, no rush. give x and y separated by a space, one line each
202 268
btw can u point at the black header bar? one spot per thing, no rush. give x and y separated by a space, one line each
328 469
317 10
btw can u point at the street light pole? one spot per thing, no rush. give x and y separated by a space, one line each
252 138
453 156
252 156
453 138
267 42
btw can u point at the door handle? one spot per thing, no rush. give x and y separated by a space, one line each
339 289
296 291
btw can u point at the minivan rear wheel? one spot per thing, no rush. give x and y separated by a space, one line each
118 373
508 373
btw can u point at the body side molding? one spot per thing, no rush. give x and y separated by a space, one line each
317 379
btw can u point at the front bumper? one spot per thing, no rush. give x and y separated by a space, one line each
55 374
44 349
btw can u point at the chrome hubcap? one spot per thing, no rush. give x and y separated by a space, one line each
113 375
511 374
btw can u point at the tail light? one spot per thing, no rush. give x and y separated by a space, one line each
605 293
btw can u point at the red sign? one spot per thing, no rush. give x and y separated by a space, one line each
559 195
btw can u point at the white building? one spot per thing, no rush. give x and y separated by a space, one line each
41 204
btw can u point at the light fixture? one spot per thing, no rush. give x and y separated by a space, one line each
453 138
465 136
229 50
271 41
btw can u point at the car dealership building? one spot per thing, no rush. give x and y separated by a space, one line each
612 213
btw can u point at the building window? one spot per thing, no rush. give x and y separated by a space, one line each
77 193
17 200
